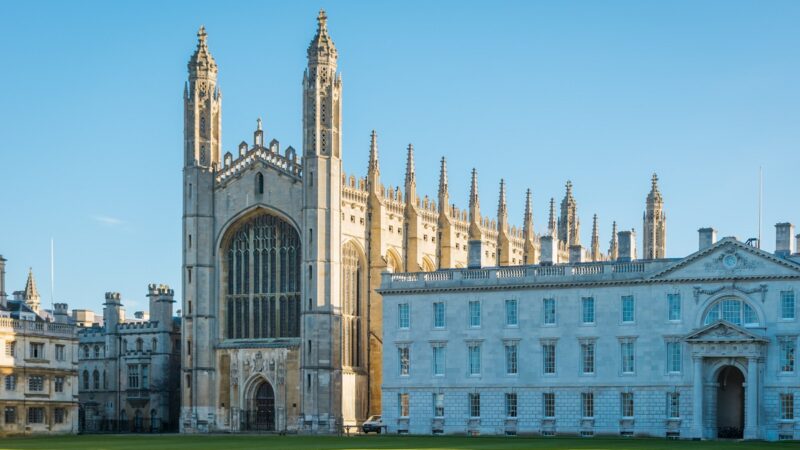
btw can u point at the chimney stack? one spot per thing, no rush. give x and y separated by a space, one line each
549 250
707 237
627 246
575 253
474 250
784 246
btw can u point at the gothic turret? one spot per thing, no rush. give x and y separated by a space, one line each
444 194
595 250
654 224
411 177
552 230
613 245
569 226
3 295
529 252
31 295
446 245
412 235
202 108
475 243
373 169
503 238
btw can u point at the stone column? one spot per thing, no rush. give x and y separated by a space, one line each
697 398
751 400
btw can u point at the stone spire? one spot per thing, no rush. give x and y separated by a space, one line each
569 227
502 209
551 221
527 223
613 245
373 168
321 50
411 177
444 194
202 64
654 224
595 250
32 298
474 208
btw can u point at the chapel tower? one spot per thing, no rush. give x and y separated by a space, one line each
202 119
322 172
655 224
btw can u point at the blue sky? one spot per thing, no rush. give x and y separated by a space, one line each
601 93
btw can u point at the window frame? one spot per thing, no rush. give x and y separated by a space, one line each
545 312
474 320
404 312
623 301
512 313
588 309
439 317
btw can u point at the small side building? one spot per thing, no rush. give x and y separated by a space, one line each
129 370
38 364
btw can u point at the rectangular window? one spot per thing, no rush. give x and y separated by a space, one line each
511 404
673 405
787 305
11 348
58 415
474 359
474 313
588 309
145 376
10 415
549 358
674 357
627 309
787 406
475 405
35 415
438 360
549 311
402 354
37 350
11 382
587 404
58 384
549 404
674 306
403 316
402 403
438 405
36 383
511 313
438 315
511 358
587 357
627 353
626 399
60 353
133 376
787 350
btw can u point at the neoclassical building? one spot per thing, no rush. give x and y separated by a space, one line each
283 254
697 347
129 370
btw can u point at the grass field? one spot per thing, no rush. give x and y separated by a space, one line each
244 442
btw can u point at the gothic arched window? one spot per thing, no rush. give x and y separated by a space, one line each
262 279
259 183
139 345
96 379
86 379
96 351
353 295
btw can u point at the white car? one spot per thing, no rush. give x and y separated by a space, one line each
374 423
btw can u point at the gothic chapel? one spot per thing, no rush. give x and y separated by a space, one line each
283 254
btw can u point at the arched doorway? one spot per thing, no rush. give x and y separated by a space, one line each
730 403
263 413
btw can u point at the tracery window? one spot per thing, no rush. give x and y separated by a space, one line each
262 284
734 311
352 306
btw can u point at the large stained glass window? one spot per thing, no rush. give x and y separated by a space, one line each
262 285
352 306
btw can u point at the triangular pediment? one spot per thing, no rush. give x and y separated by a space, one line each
722 331
729 258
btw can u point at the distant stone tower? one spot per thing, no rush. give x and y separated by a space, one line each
655 224
322 167
613 244
569 225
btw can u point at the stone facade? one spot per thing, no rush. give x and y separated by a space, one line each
39 392
129 370
283 255
696 347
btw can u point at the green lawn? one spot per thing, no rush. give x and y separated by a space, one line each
244 442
